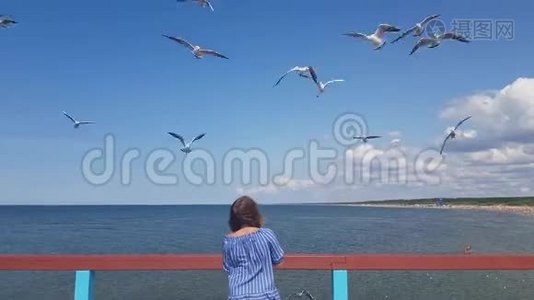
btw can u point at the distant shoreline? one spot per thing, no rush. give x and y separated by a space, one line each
522 210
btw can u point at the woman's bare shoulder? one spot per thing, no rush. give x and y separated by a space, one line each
243 232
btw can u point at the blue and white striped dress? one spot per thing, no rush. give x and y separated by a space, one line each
248 260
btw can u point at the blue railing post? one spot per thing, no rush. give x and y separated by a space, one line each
83 286
340 285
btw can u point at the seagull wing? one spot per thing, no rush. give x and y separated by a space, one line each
453 36
70 117
443 145
313 75
209 5
197 138
332 81
298 69
374 136
461 122
181 41
356 35
383 28
178 137
7 20
421 43
283 76
86 122
404 34
213 53
428 19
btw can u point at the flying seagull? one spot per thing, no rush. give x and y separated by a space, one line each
452 134
322 86
187 146
306 72
436 40
76 122
365 138
418 29
377 38
196 50
202 3
6 21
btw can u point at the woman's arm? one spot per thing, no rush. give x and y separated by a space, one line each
226 268
277 253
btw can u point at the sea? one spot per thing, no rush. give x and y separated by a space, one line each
300 229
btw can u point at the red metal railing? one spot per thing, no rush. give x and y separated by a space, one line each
370 262
339 264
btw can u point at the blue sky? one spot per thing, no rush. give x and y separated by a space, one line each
107 61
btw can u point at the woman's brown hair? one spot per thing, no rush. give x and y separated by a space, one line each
244 213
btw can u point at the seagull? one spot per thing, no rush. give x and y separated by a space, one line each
76 122
468 249
306 72
6 21
322 86
452 134
435 41
196 50
365 138
377 38
418 29
187 146
202 3
302 294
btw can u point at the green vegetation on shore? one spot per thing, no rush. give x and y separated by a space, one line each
507 201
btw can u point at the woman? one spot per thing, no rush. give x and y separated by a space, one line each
249 253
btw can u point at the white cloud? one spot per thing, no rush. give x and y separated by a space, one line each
510 154
280 184
504 126
395 138
395 142
395 134
499 117
468 134
493 154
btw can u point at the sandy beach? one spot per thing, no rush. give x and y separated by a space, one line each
522 210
